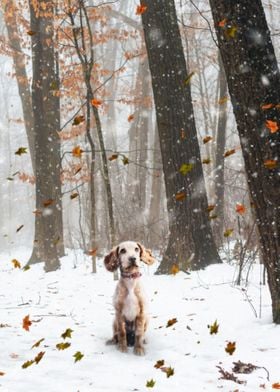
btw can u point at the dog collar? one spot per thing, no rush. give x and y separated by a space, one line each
134 275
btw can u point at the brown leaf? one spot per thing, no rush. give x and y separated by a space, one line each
223 100
207 139
276 385
74 195
230 348
141 9
77 152
78 120
270 163
16 263
210 207
187 81
267 106
168 370
174 269
27 364
206 161
30 32
171 322
214 328
113 157
130 118
37 344
39 356
180 196
222 23
228 233
26 323
159 364
229 152
48 202
21 150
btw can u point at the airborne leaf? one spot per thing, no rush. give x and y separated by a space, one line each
270 164
113 157
67 333
207 139
141 9
77 152
48 202
206 161
74 195
240 208
21 150
63 346
228 233
187 81
229 152
272 126
125 160
210 207
276 385
159 364
186 168
78 120
2 374
30 32
27 364
39 356
96 102
26 323
214 328
230 348
130 118
16 263
37 344
150 383
168 370
267 106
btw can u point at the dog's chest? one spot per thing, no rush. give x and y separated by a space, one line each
131 304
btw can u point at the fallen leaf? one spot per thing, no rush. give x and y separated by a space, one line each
63 346
16 263
21 150
228 233
230 348
78 356
113 157
207 139
214 328
19 228
74 195
240 208
150 383
48 202
77 152
39 356
206 161
186 168
159 364
171 322
229 152
270 163
96 102
187 81
174 269
27 364
67 333
141 9
37 344
180 196
272 126
26 323
168 370
130 118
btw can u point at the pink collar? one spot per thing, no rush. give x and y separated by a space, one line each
134 275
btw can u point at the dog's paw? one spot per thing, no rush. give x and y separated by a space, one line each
111 342
122 348
139 351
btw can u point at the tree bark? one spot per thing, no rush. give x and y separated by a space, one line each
254 80
190 242
46 127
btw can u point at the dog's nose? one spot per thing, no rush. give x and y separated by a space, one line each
132 260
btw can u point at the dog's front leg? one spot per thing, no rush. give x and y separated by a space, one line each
139 335
122 343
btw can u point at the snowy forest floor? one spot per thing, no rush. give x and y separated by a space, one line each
73 297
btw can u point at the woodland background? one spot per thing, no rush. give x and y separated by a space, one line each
84 162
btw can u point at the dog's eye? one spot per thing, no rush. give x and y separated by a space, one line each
123 251
136 249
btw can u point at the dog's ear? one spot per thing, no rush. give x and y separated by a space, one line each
146 255
111 261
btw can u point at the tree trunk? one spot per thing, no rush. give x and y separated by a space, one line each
47 143
254 81
190 242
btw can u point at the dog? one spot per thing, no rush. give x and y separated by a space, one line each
130 321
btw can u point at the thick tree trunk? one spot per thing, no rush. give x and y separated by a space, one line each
254 81
190 242
47 144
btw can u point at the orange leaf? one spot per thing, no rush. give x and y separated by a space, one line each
270 163
77 152
230 348
92 252
30 32
96 102
16 263
113 157
223 100
180 196
207 139
48 202
222 23
229 152
267 106
130 118
276 385
141 9
240 209
174 269
26 323
272 126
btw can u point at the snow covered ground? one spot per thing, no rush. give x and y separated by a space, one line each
74 298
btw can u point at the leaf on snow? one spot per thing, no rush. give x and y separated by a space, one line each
125 160
130 118
169 371
39 356
186 168
171 322
159 364
2 374
63 345
150 383
230 348
78 356
214 328
27 364
67 333
21 150
26 323
37 344
223 100
16 263
174 269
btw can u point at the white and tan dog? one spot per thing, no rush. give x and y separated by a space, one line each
130 319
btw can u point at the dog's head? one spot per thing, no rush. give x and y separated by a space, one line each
128 256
